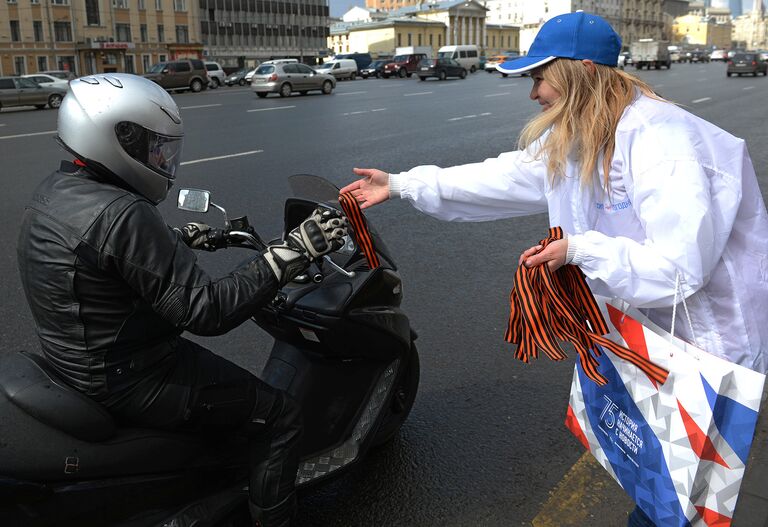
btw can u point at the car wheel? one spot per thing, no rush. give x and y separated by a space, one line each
472 69
441 75
39 106
376 74
196 85
728 74
422 78
241 82
402 73
54 100
327 87
285 90
261 94
215 83
463 74
352 76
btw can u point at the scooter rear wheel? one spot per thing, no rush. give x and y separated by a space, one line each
401 402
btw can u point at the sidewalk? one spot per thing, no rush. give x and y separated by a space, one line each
588 496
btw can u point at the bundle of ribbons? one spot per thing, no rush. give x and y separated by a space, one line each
547 307
359 228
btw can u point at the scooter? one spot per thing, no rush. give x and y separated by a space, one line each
342 347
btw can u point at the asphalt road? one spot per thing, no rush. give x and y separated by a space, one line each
485 444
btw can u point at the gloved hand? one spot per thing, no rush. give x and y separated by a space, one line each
322 232
198 236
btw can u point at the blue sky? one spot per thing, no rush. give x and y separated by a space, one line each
339 7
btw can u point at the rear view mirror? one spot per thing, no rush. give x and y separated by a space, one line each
194 200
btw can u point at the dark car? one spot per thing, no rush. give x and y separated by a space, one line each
180 75
374 69
742 63
441 68
362 59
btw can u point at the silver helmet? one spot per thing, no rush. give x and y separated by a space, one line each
126 125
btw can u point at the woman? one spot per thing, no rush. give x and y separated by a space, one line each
646 192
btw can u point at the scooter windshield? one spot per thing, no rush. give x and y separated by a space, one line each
314 188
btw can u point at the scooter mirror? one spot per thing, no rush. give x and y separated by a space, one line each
194 200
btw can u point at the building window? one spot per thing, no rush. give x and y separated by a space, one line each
142 5
179 5
146 62
62 31
419 39
37 29
34 2
123 32
160 33
399 40
120 4
15 32
20 65
129 67
430 39
11 1
409 40
42 63
439 41
159 6
182 34
92 17
143 32
60 2
162 58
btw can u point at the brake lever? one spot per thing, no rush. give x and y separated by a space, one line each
348 274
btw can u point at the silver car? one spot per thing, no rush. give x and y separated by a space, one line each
288 78
17 91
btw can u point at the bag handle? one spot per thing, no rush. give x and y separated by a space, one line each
679 290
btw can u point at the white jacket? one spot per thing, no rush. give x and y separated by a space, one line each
683 198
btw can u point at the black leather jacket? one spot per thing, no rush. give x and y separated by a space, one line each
111 287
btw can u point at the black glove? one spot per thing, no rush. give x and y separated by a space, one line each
319 234
198 236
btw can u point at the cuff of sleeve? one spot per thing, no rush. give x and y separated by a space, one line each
575 254
395 185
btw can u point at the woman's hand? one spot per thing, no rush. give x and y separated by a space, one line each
371 189
553 255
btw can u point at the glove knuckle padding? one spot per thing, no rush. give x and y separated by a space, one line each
313 234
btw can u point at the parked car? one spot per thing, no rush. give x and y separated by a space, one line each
742 63
180 75
627 58
216 74
237 77
18 91
442 68
61 74
403 65
339 68
46 81
374 69
695 55
288 78
718 54
495 60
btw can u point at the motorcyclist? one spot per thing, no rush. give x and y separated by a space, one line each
112 287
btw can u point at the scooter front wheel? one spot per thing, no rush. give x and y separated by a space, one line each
401 402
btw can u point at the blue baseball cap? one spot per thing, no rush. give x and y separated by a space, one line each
575 36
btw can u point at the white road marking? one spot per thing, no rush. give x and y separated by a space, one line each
417 93
749 87
658 86
701 80
2 124
351 93
695 101
199 106
268 109
378 109
497 94
26 135
364 111
507 85
469 116
221 157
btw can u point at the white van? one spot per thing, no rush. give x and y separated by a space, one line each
467 55
339 68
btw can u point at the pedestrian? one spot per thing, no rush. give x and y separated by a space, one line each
112 287
645 191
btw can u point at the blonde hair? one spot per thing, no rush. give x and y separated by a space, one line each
583 120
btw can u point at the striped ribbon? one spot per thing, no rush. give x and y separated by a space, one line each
548 306
359 226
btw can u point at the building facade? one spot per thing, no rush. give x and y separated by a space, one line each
703 31
381 37
96 36
245 32
750 31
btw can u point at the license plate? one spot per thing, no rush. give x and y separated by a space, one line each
741 65
424 69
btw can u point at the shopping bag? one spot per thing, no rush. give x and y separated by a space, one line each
679 449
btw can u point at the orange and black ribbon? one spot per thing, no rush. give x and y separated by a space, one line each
547 306
359 226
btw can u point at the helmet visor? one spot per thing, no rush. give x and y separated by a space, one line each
159 152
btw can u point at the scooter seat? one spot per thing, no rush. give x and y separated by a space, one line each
27 381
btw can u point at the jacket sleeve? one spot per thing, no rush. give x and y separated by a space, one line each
500 187
163 271
687 212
